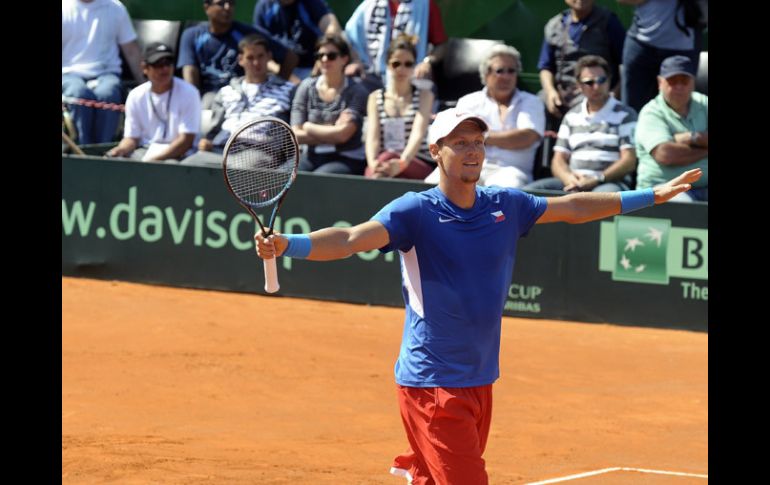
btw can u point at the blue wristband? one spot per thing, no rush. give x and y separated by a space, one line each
299 246
631 200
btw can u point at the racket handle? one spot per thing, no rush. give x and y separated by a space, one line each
271 276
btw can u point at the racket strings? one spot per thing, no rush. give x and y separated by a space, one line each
261 163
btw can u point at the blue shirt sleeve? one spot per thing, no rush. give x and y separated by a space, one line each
258 17
529 209
546 58
187 49
401 219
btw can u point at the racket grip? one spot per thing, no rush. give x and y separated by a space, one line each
271 276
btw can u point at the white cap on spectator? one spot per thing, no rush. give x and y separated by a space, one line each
447 120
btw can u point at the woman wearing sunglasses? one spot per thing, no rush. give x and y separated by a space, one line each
398 118
328 111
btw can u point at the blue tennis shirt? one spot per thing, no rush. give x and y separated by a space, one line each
456 267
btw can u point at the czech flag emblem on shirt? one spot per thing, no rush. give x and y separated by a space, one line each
499 216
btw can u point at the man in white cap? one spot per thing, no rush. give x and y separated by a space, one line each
457 245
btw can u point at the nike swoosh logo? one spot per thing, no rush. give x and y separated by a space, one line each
441 219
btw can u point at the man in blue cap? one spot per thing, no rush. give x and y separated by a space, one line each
672 132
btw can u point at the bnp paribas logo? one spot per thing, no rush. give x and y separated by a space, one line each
646 250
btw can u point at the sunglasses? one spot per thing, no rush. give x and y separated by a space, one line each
503 70
590 82
332 56
397 64
221 3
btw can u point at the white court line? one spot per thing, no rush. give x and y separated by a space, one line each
616 469
573 477
661 472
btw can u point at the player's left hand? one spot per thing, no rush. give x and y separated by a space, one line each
677 185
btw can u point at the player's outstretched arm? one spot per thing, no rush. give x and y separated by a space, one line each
589 206
325 244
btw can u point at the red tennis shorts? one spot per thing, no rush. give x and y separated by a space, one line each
447 429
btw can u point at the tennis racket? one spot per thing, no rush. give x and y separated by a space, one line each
259 165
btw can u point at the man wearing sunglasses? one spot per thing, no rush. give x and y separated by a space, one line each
672 135
516 120
208 52
595 147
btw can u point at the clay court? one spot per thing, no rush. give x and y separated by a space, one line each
179 386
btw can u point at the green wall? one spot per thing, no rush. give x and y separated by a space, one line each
177 225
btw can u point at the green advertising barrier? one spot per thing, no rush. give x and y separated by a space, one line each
176 225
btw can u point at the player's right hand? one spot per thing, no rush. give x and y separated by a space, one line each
271 246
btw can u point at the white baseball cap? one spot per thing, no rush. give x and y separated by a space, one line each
447 120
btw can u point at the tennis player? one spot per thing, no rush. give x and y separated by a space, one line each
457 244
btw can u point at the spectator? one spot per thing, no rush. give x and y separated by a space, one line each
208 51
297 24
258 93
398 118
582 29
163 115
516 120
328 111
595 147
657 31
92 31
375 22
672 134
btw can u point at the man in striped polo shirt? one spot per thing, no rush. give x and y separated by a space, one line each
254 95
595 146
